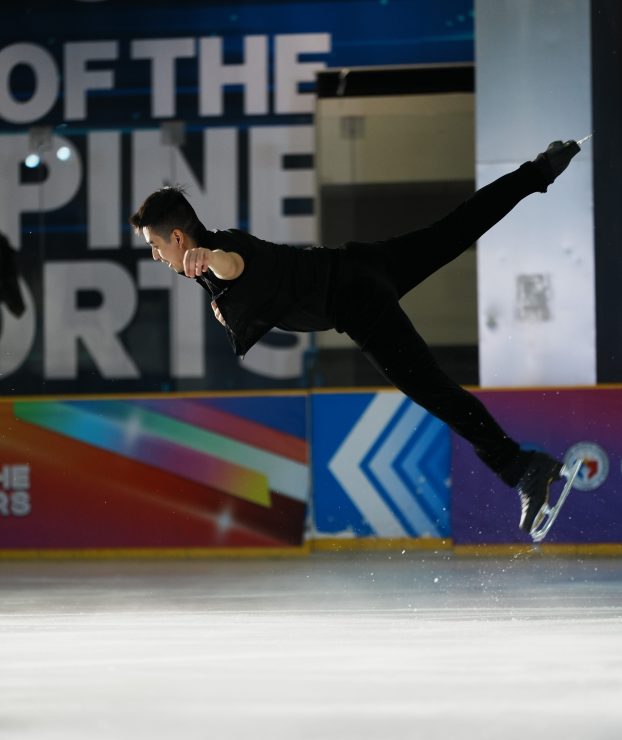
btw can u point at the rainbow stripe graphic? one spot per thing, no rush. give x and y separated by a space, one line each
242 458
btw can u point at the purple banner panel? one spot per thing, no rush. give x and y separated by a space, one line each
568 424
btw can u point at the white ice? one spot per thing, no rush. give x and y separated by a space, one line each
351 647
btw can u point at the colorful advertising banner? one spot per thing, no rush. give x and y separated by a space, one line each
233 472
568 424
176 472
103 102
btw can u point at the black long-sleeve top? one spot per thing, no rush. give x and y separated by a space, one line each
292 289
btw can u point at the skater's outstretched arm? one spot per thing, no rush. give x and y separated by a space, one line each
225 265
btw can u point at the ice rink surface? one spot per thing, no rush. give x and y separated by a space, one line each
347 646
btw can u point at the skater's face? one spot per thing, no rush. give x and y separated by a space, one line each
170 251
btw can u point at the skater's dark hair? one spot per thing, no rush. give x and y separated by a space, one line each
167 209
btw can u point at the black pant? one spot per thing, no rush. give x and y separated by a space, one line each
399 352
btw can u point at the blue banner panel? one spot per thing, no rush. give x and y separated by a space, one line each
102 103
380 467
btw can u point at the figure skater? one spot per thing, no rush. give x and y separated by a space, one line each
256 285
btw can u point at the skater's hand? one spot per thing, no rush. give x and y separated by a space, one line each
197 261
225 265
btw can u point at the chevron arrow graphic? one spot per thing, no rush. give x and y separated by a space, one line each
378 465
425 466
383 465
346 463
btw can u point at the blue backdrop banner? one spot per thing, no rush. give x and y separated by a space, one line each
102 103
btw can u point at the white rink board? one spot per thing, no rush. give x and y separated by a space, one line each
536 303
547 337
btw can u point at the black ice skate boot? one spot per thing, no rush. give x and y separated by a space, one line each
555 159
533 487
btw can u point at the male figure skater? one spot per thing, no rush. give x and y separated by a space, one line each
257 285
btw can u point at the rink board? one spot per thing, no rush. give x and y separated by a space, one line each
566 423
380 468
217 474
155 473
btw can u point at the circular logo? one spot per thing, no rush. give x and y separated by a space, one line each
595 468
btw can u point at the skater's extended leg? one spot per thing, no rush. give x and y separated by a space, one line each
412 257
395 348
491 203
400 354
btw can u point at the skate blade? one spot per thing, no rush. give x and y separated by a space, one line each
548 514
